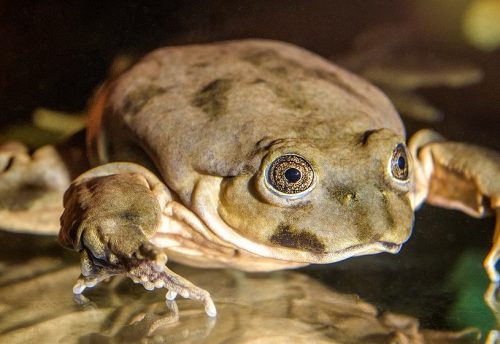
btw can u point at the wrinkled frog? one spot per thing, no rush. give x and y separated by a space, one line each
256 155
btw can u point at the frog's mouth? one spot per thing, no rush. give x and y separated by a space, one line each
369 248
204 204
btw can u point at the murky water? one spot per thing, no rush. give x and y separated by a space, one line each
36 303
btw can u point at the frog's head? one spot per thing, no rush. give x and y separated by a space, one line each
317 202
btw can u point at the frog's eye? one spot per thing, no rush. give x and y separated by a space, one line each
290 175
399 163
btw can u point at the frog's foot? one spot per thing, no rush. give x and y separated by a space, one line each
150 271
150 276
110 214
459 176
92 274
87 282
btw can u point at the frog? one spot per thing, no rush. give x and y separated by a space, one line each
254 154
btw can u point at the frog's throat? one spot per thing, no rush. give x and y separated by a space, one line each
204 204
187 240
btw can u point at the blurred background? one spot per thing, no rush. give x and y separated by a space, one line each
54 53
439 60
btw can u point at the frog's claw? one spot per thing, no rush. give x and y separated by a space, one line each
110 214
459 176
149 275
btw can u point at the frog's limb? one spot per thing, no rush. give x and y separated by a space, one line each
492 300
32 184
459 176
111 212
31 188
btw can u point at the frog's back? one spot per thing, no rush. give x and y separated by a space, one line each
211 107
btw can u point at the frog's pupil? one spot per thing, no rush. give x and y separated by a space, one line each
401 162
292 175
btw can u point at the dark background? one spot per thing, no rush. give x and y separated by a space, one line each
54 53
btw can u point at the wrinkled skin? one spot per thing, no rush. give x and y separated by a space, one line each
189 146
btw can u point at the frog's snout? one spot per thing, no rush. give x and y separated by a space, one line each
383 218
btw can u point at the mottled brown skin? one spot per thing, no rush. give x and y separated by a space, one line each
184 141
229 92
124 222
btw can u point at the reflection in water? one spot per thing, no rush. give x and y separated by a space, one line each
36 300
492 299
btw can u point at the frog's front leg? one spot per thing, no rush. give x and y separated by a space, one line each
460 176
110 214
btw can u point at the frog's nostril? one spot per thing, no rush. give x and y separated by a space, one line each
343 194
